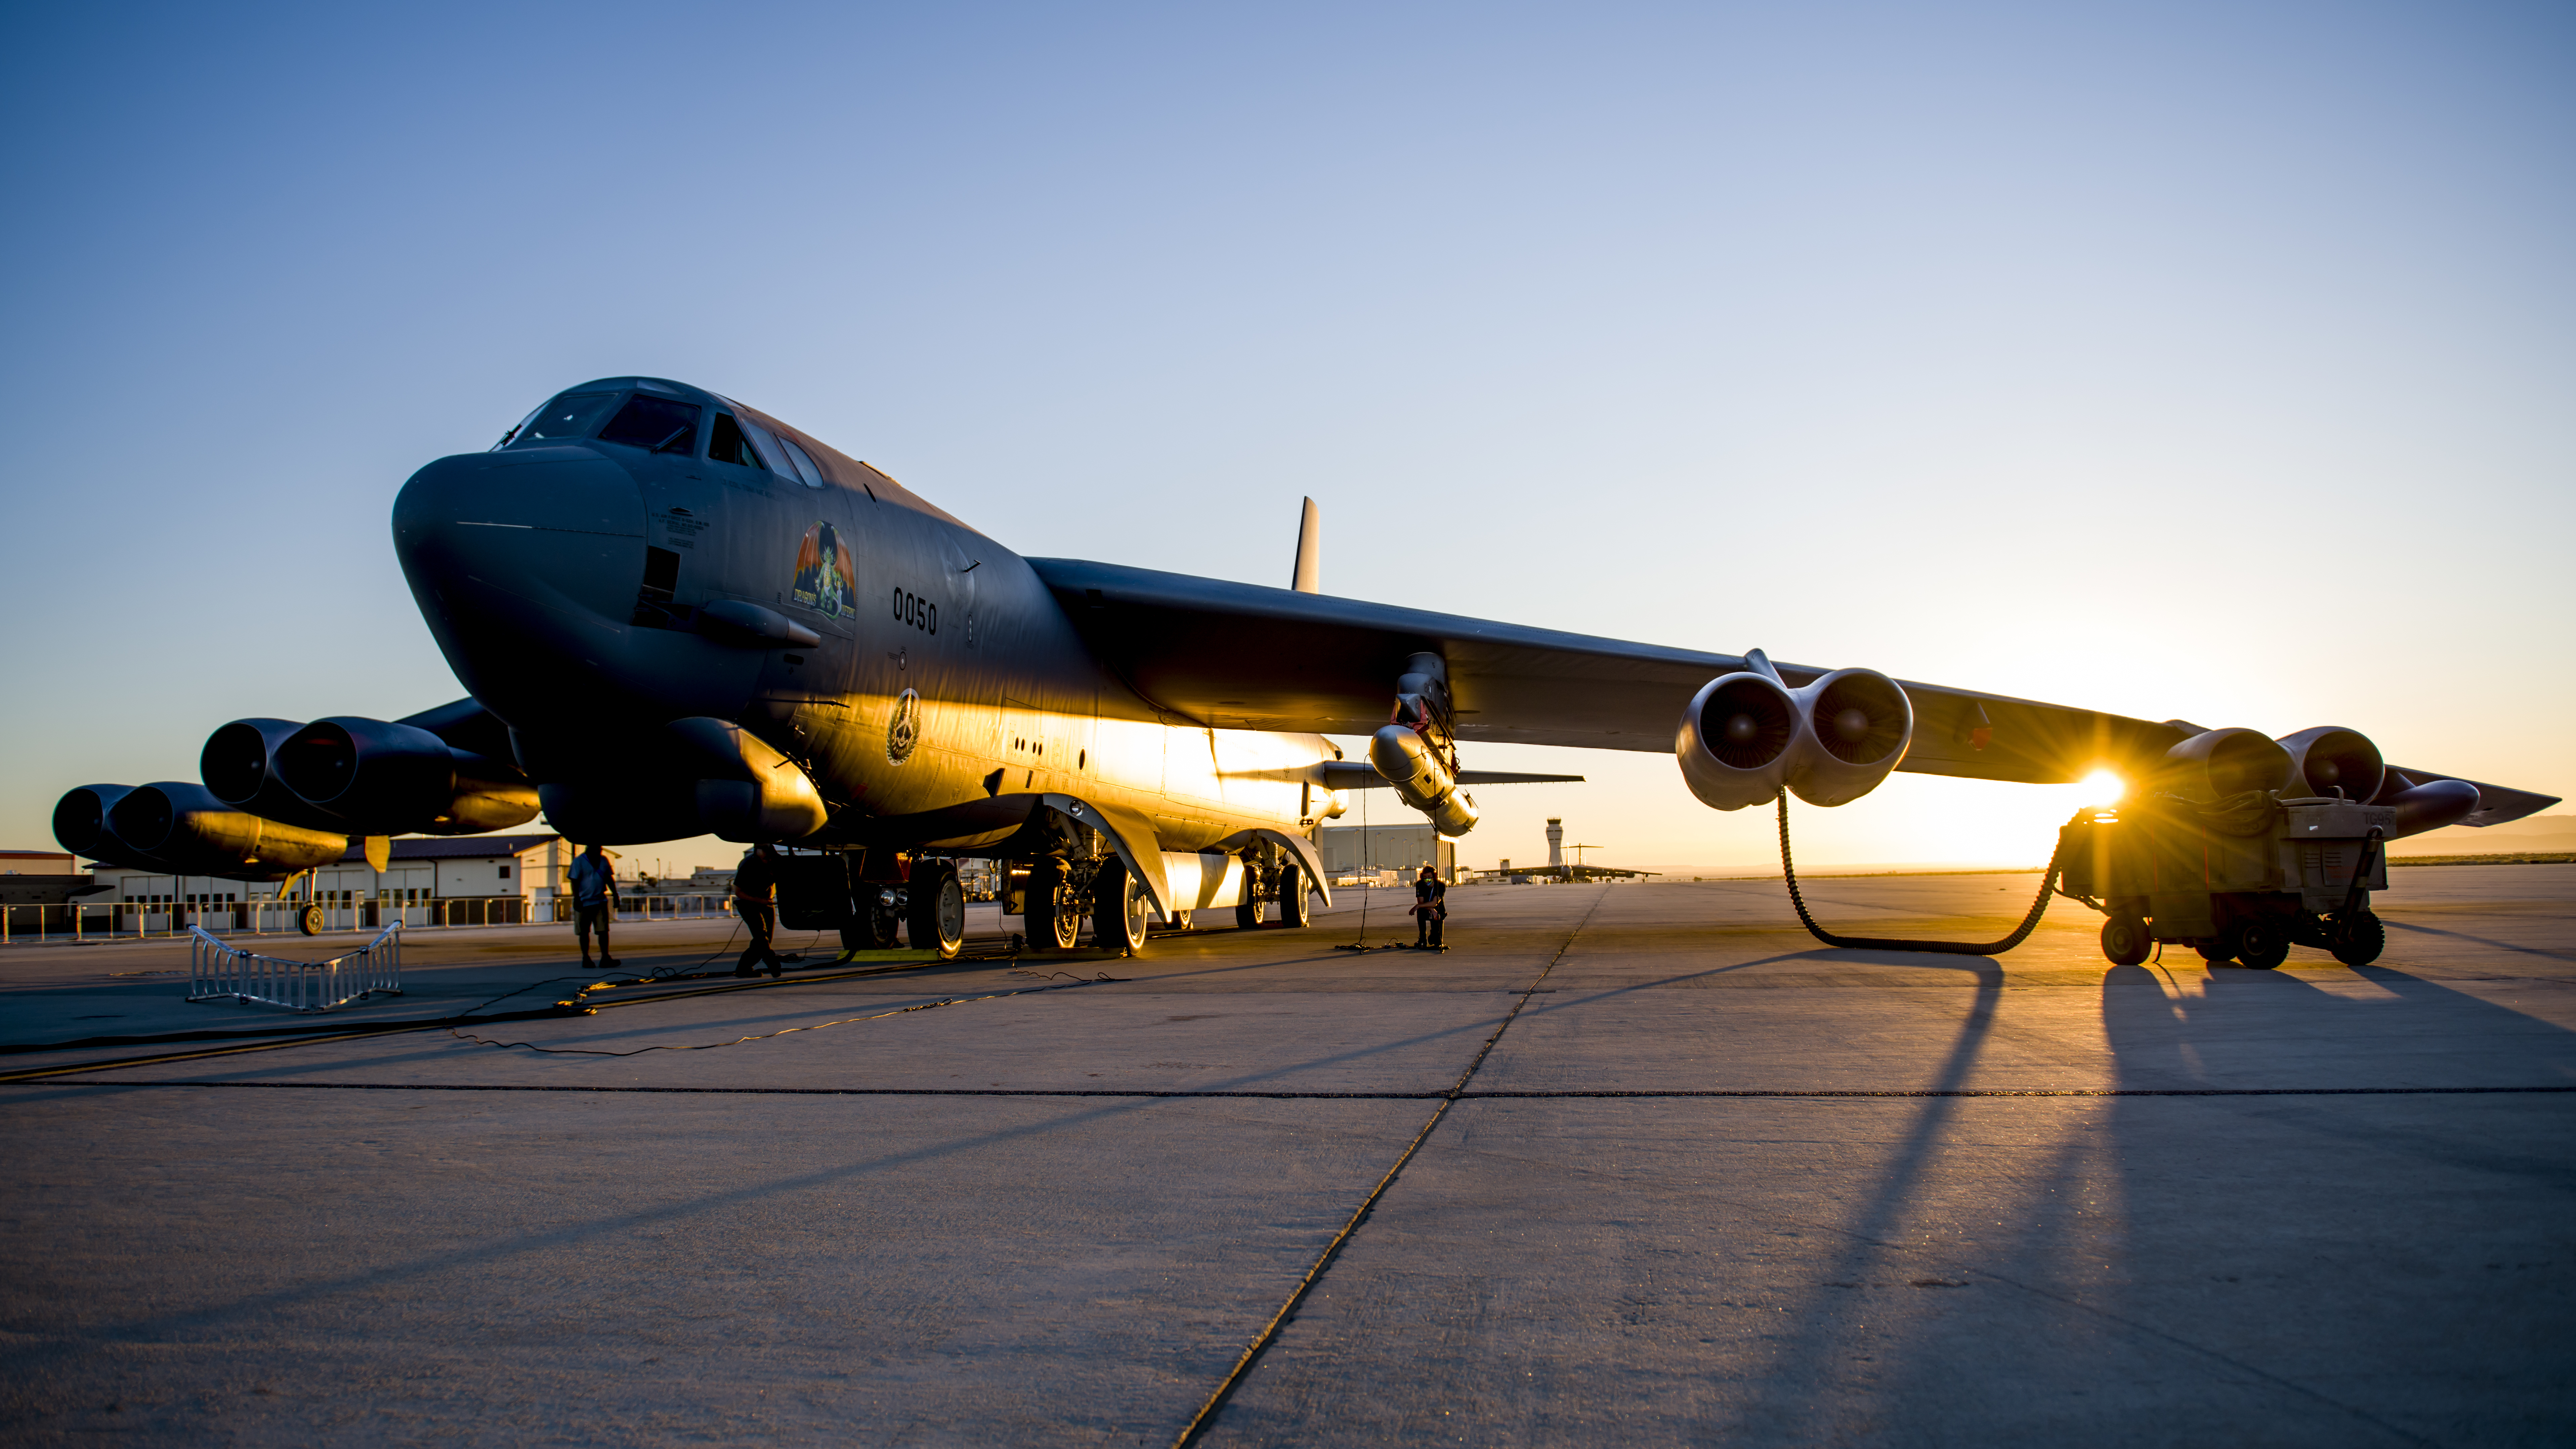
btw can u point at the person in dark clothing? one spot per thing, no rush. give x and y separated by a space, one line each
1430 908
594 902
755 900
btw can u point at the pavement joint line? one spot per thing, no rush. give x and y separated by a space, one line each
1571 1094
1205 1418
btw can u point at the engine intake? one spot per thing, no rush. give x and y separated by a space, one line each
2331 760
712 777
1745 737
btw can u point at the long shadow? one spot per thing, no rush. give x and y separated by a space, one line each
2243 1219
1784 1406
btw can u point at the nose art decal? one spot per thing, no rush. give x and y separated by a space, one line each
823 573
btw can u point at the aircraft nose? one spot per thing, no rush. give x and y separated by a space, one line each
530 554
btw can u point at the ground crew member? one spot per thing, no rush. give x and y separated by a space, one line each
594 902
1430 908
755 900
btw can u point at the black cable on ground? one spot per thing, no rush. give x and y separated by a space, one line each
1206 1416
2021 933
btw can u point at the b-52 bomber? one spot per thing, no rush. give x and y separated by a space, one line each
677 615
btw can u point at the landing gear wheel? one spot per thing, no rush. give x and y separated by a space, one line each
309 920
1293 910
938 909
1181 920
2358 938
877 926
2260 944
1051 925
1121 912
2216 953
2125 940
1247 912
882 921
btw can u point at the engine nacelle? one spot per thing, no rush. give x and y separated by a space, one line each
1745 737
81 824
1422 778
717 779
184 826
235 766
379 778
1856 725
2330 759
2215 764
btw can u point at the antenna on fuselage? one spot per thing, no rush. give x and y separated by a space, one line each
1308 577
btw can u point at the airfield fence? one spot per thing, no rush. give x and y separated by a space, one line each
221 971
144 920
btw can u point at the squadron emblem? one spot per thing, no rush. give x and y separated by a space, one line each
904 730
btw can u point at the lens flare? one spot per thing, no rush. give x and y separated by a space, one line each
2104 788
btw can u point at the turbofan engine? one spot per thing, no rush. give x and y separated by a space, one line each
1747 736
363 776
180 828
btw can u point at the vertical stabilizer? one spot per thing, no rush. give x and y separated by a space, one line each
1308 578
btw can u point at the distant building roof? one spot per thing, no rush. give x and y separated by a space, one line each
451 847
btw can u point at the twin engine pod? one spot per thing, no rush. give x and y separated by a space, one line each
2328 761
180 828
1748 736
362 776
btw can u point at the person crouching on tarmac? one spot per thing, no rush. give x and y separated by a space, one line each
755 900
594 902
1430 908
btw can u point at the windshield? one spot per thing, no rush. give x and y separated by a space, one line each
570 416
658 423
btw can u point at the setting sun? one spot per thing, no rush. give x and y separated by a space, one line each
2104 788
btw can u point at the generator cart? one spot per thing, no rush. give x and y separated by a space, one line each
2243 878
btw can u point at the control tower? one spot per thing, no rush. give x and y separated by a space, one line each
1555 843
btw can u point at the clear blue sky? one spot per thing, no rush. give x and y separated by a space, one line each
2213 361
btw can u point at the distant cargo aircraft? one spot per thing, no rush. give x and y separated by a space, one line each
677 615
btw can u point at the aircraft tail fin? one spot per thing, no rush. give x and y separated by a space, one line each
1308 577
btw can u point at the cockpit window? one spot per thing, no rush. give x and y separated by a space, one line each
805 468
570 416
726 444
659 423
770 452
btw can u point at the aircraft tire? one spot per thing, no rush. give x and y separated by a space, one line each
1120 912
309 920
2359 938
938 911
1293 908
2260 944
1247 913
1050 926
2125 940
2216 953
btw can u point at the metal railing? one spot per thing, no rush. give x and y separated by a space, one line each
143 920
218 971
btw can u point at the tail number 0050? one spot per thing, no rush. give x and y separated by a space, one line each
917 611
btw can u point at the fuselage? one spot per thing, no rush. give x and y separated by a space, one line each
642 552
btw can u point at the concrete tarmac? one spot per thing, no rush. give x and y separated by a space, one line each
1689 1178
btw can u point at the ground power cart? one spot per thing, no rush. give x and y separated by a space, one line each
2242 879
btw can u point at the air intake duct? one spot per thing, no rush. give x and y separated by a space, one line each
2331 760
1747 736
